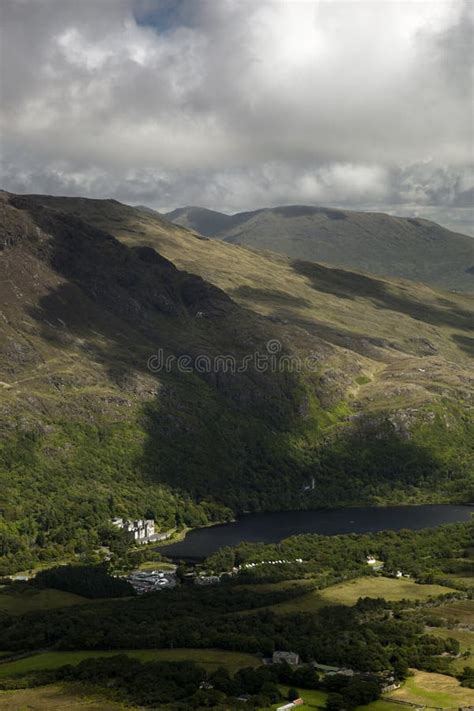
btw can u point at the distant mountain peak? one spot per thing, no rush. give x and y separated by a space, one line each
408 247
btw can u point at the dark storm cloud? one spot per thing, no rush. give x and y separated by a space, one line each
235 104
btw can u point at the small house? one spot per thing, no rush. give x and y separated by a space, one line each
386 688
289 657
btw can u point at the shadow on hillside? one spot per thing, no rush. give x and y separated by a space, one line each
361 343
464 342
374 461
209 432
231 438
349 285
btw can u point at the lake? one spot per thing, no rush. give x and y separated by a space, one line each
274 526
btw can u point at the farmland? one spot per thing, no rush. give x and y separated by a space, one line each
18 600
57 697
461 611
349 592
210 659
315 699
435 690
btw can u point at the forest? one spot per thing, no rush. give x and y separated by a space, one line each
426 555
61 518
373 637
185 685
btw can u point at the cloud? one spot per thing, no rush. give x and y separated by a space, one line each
236 104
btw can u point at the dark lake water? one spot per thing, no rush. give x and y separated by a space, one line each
274 526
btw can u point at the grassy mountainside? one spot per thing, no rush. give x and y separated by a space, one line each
91 289
373 242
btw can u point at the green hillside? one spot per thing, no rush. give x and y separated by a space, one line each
372 242
91 289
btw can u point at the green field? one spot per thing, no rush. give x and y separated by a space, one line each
463 578
380 705
315 699
348 593
57 697
156 565
460 611
38 567
210 659
19 600
436 690
391 589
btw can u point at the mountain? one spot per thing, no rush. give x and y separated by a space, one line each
411 248
119 397
207 222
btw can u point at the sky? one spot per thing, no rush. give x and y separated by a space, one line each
242 104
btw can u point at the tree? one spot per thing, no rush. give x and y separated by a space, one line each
334 702
270 691
293 694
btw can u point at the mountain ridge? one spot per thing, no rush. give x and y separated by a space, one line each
413 248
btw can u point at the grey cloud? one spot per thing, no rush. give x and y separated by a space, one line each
455 51
235 104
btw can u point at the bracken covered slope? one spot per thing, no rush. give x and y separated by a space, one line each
92 428
373 242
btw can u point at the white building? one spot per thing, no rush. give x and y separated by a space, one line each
142 530
390 687
291 705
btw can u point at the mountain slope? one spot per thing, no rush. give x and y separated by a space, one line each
415 249
207 222
91 427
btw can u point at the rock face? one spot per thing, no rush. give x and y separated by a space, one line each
365 385
415 249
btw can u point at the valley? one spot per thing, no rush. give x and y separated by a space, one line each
93 289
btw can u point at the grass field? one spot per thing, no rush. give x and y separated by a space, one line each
349 592
380 705
74 697
465 578
389 588
435 690
156 565
18 600
57 697
460 611
210 659
31 572
315 699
